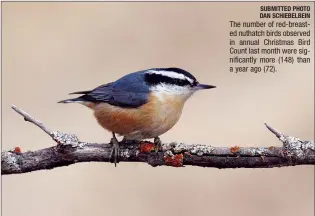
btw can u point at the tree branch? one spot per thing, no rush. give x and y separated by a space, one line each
70 150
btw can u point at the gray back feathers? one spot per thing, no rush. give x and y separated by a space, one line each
133 90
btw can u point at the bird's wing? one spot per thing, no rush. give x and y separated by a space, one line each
116 95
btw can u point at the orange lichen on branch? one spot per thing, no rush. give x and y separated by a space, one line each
17 150
235 149
175 160
147 147
271 148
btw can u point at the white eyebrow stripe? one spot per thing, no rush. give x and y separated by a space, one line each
171 75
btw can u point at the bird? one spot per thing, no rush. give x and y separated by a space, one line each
140 105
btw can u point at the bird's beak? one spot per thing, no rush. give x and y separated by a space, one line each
204 86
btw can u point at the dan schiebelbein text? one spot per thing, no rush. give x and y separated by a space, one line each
287 12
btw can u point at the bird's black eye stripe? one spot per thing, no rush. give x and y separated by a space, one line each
155 79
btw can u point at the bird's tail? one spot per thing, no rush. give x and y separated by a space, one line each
73 100
81 92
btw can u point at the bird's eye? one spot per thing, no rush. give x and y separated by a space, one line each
189 83
194 83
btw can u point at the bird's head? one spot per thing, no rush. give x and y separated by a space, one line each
173 81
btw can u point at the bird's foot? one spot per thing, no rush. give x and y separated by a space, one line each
158 143
115 151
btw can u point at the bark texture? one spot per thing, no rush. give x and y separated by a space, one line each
70 150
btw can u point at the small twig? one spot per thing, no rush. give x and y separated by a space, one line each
71 150
29 118
59 137
274 131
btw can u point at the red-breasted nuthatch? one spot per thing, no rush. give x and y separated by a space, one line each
141 105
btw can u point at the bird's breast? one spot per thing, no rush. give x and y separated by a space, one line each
150 120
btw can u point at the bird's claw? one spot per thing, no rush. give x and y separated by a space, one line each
158 143
115 151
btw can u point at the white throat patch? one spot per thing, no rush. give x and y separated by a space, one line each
161 90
